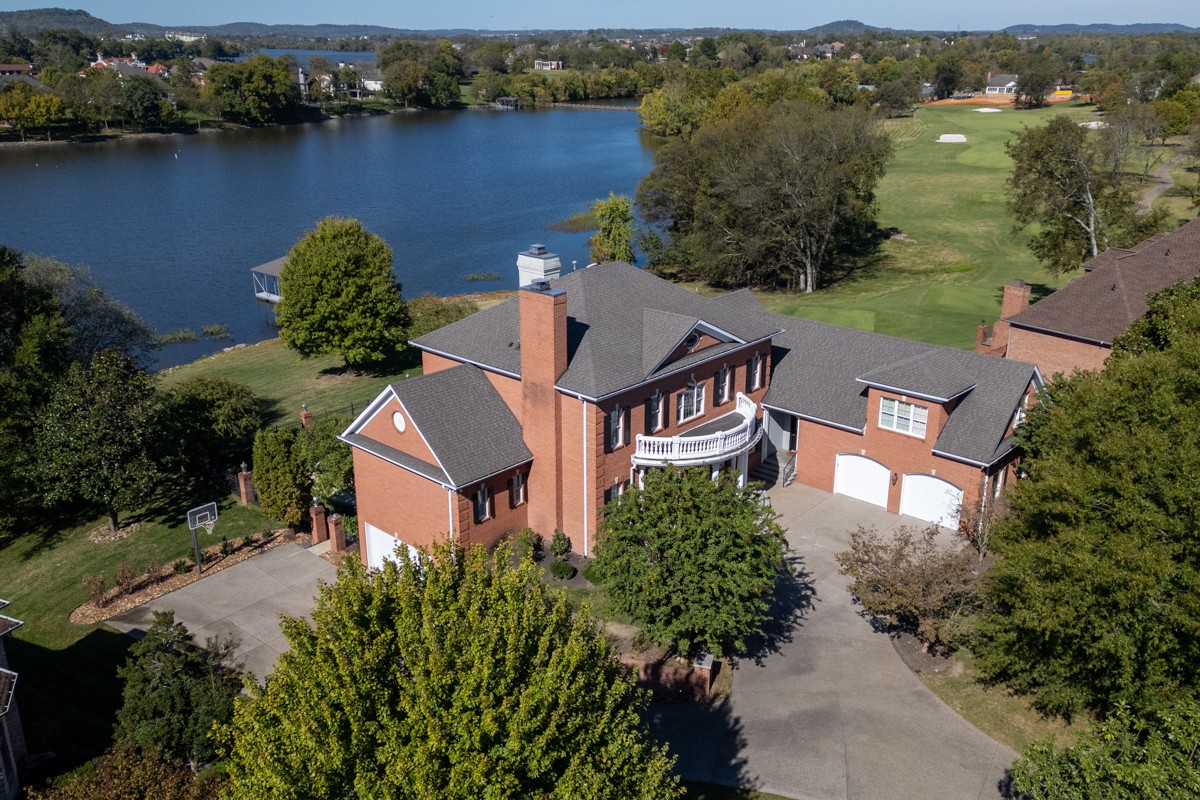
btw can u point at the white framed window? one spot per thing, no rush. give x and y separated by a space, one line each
615 491
656 412
690 402
897 415
755 372
618 428
724 385
516 490
998 482
482 502
1019 417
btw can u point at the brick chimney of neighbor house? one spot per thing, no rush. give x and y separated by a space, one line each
1016 298
543 313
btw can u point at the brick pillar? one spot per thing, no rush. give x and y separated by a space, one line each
245 488
306 417
543 320
362 546
320 531
980 337
337 534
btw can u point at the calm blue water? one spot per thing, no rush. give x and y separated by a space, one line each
172 225
334 56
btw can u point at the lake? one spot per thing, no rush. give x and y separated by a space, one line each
172 225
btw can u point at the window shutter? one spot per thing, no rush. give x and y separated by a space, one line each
626 421
750 376
716 398
608 423
512 492
649 412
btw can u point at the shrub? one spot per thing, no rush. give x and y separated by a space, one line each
529 544
913 583
560 544
430 313
127 577
591 574
250 539
181 565
154 570
226 547
563 570
97 586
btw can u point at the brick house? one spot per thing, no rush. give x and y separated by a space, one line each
12 739
1074 328
538 411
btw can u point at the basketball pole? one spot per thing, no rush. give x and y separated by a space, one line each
199 560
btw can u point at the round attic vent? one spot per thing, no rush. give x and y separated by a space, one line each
692 340
398 421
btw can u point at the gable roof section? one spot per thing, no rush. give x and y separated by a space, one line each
618 316
1002 79
936 375
472 437
1100 305
817 368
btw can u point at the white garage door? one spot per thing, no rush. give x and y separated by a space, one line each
931 499
861 478
381 545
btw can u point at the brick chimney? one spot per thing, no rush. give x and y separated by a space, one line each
1016 298
543 313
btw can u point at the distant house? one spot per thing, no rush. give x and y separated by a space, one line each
1074 328
1196 78
15 69
548 66
159 70
12 738
1001 83
132 60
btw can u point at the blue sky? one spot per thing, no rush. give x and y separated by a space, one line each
521 14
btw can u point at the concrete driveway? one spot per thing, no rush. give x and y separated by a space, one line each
831 711
244 601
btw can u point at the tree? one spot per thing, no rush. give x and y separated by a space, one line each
340 296
95 437
947 73
614 239
1036 80
768 197
24 107
1093 594
693 560
174 692
257 91
1126 757
214 420
1070 185
896 98
142 103
429 312
456 675
280 478
124 775
326 460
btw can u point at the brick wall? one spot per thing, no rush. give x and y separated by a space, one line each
505 519
1054 354
382 429
400 502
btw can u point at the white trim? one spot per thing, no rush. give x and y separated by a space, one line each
912 418
368 413
712 330
355 426
693 388
450 493
404 467
818 420
583 411
484 492
909 393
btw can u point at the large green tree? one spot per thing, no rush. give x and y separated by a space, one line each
214 420
174 692
460 675
96 435
258 91
1094 596
340 296
1068 181
691 559
1128 756
126 775
768 197
283 486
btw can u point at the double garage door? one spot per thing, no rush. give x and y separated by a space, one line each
925 497
383 546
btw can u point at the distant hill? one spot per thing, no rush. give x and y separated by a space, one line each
74 19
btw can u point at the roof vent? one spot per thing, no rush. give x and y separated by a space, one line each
537 249
540 286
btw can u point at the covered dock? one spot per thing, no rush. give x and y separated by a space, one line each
266 280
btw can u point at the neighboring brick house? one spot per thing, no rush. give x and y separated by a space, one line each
1074 328
12 739
538 411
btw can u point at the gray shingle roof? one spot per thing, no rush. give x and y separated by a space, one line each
611 337
466 424
1102 304
936 374
817 366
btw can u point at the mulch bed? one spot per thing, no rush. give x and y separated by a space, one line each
168 581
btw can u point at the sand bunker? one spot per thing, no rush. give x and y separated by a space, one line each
989 110
952 137
1094 124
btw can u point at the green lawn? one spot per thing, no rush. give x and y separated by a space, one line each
1178 199
946 275
284 380
68 690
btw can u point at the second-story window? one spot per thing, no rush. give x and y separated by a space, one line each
690 403
516 490
618 428
656 416
482 502
904 417
755 368
724 385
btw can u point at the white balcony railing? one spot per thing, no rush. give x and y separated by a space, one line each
686 449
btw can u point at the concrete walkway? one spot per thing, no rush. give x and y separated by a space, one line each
830 711
244 601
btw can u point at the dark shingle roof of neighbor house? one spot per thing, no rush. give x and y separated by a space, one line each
1002 79
621 323
820 370
466 424
1100 305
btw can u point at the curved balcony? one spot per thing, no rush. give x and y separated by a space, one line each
726 436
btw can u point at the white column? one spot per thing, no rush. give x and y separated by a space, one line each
743 465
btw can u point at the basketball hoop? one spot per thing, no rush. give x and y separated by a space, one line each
205 517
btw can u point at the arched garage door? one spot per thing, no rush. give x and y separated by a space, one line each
381 545
861 478
931 499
